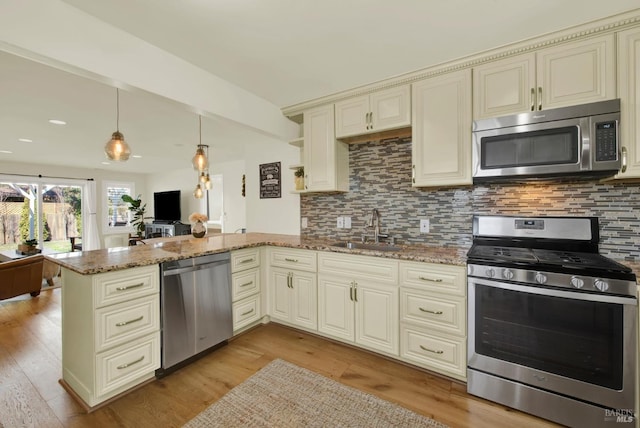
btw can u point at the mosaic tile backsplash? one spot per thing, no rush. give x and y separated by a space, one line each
380 177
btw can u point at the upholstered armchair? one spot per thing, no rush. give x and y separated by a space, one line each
21 276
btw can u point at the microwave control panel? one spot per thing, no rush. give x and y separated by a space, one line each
606 141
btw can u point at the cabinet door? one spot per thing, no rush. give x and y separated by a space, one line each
441 149
326 161
335 308
351 116
391 108
280 294
304 311
576 73
376 308
504 87
629 89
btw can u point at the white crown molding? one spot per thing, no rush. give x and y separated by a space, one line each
594 28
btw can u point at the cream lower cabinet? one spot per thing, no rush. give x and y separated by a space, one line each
441 118
629 90
570 73
293 287
433 322
110 331
358 301
245 288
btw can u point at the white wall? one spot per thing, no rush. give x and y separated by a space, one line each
185 180
99 175
281 215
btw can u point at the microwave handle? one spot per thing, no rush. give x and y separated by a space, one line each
624 160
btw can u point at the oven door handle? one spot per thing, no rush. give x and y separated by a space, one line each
604 298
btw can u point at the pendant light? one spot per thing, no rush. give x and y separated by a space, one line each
117 149
200 163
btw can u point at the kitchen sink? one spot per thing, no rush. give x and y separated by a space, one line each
361 246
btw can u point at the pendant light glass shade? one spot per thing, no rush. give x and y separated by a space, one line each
207 182
117 148
198 193
200 161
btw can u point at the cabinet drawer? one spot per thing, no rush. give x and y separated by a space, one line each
434 277
244 284
347 265
289 258
444 313
246 312
248 258
124 285
121 367
446 355
126 321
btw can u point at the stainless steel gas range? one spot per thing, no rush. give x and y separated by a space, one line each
552 323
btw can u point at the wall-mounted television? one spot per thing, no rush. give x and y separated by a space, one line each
166 207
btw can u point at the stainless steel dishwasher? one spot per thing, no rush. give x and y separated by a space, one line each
195 299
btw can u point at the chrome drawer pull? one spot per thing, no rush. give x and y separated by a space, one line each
120 324
291 260
247 260
246 313
129 287
430 279
431 350
124 366
246 283
429 311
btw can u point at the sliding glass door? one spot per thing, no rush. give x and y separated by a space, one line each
34 209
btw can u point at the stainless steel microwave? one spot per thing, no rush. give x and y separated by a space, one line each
582 140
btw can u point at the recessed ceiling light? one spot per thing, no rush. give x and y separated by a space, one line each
105 163
25 140
137 156
6 151
57 122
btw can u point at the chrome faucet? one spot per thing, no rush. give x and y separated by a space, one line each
374 221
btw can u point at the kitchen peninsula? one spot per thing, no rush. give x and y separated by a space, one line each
111 302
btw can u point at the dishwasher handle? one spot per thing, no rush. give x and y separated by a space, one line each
178 271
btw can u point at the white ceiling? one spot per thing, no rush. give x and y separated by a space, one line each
285 51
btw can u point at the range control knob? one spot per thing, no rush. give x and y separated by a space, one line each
577 282
489 273
601 285
507 274
541 278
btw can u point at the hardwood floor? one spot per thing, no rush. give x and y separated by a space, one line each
30 366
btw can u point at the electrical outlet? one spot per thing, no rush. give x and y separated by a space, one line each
424 225
304 223
347 222
340 223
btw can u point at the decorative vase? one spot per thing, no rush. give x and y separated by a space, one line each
299 183
199 229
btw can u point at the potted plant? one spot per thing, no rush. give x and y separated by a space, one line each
299 178
138 210
28 246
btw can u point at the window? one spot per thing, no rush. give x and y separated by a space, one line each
117 213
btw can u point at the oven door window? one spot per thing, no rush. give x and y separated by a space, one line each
557 146
573 338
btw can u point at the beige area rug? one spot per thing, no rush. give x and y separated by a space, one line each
282 394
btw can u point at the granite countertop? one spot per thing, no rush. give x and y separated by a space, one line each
159 250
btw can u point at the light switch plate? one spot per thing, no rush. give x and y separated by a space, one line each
424 225
340 223
347 222
304 222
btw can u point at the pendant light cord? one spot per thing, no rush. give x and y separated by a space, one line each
117 110
200 128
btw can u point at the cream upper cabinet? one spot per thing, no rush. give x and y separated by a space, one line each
629 89
380 111
441 117
571 73
326 160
